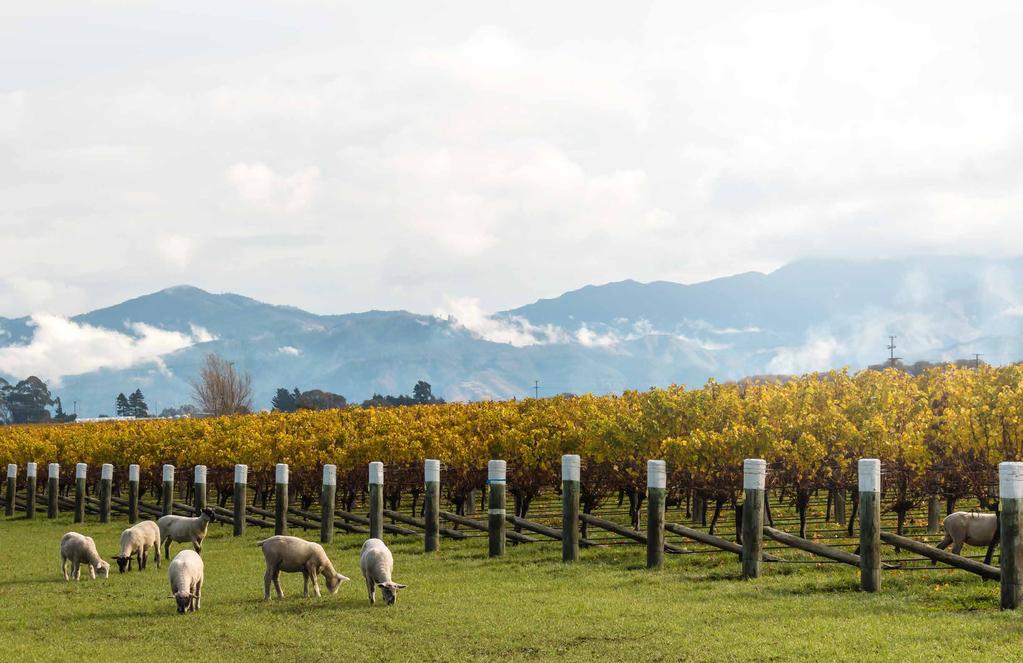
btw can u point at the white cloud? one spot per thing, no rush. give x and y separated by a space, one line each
467 312
289 351
176 250
61 347
262 188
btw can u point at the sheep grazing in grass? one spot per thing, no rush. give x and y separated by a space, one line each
79 549
137 540
186 577
185 529
292 554
961 527
377 564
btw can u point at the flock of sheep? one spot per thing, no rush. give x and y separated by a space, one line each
282 553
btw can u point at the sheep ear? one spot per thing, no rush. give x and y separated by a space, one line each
397 586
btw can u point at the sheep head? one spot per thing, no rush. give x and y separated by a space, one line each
390 591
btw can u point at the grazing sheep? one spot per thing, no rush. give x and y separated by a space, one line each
976 529
186 577
79 549
377 563
136 540
292 554
183 529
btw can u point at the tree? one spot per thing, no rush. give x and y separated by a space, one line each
286 401
121 406
137 405
186 410
59 415
422 395
220 389
5 412
423 392
315 399
26 402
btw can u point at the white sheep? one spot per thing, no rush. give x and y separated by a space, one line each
377 563
292 554
79 549
976 529
137 540
184 529
186 578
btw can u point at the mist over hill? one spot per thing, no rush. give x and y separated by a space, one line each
809 315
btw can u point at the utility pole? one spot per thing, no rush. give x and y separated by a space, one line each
976 360
536 389
891 350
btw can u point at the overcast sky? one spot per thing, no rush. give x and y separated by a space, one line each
347 156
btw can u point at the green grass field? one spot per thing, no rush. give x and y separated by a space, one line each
461 605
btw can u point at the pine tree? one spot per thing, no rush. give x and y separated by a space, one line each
121 406
137 405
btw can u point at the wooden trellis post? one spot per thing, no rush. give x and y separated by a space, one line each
870 524
12 488
81 472
1010 525
133 493
431 504
52 490
281 500
168 490
199 490
570 464
106 479
754 481
241 480
496 474
327 496
30 491
376 500
656 483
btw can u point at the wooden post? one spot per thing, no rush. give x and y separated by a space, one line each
754 480
241 480
870 524
168 490
30 491
133 493
327 496
52 489
933 514
656 483
199 491
376 500
281 500
840 505
106 479
497 471
570 466
431 504
12 488
1010 524
81 470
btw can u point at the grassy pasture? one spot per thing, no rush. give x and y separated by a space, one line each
462 606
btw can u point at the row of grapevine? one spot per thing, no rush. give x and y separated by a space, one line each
939 433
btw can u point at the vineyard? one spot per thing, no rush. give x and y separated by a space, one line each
940 434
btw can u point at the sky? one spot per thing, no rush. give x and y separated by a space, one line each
349 156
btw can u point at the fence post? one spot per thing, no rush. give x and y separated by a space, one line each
497 471
168 490
52 489
754 481
656 483
241 480
431 504
81 470
570 508
106 478
840 505
30 491
12 487
199 498
933 514
281 500
1010 525
133 493
327 503
870 524
376 500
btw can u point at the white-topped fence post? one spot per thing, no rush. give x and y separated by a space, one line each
870 524
199 488
327 496
52 490
656 487
241 488
168 490
12 489
281 499
106 480
497 471
30 490
81 473
754 483
1010 525
431 504
570 474
133 493
376 500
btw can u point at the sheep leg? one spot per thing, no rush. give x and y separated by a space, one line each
267 577
941 546
277 584
198 595
92 571
372 589
316 581
957 547
143 557
166 547
197 544
305 583
76 569
156 552
63 566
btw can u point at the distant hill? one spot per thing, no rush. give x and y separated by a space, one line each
809 315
